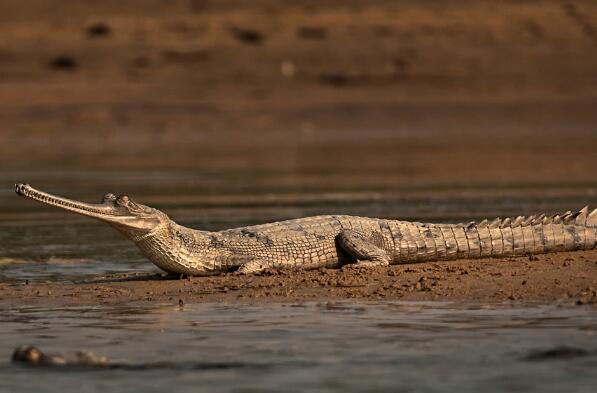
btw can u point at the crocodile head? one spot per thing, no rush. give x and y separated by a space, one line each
130 218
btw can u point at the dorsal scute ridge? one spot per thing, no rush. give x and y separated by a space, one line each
538 219
581 219
592 218
517 222
506 222
571 218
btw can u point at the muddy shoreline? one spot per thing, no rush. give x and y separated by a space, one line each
568 278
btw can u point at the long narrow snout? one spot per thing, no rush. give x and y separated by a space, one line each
101 211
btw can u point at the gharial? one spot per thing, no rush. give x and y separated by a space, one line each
32 356
326 241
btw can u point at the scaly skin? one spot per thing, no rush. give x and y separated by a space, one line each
327 241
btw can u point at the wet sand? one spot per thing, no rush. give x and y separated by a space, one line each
563 278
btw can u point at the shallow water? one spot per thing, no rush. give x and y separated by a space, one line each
308 347
293 347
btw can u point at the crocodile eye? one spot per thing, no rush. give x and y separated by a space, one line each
123 200
108 197
27 354
33 355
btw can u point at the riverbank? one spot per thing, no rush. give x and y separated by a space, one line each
563 278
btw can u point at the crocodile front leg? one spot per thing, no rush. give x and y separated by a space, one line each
362 249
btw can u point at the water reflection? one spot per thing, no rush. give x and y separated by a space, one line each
326 347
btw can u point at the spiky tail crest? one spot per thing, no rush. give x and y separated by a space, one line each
518 236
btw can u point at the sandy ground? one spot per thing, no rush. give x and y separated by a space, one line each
562 278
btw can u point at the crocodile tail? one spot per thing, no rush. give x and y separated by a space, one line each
530 235
501 237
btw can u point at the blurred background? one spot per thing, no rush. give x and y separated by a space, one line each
434 109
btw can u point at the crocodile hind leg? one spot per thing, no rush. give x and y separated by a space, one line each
253 266
363 250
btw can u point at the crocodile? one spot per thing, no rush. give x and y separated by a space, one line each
326 241
32 356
